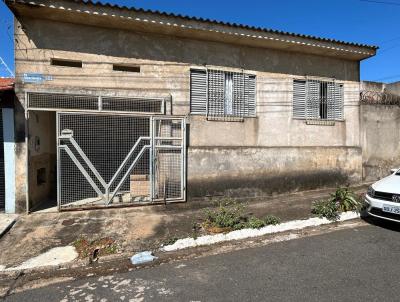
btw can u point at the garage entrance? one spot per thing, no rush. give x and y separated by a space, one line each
108 159
117 158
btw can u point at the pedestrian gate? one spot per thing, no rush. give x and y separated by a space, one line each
116 159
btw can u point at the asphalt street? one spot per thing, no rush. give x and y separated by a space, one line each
356 264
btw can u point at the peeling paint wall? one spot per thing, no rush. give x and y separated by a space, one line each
165 63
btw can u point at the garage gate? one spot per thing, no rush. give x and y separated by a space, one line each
118 158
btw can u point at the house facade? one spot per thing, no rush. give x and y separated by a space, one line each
128 106
7 145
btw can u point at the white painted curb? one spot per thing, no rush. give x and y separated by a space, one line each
249 233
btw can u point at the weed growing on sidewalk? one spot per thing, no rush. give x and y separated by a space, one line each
229 215
325 208
170 240
342 200
257 223
95 248
271 220
195 229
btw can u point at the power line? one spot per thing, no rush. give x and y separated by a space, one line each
388 78
389 41
381 2
5 65
389 48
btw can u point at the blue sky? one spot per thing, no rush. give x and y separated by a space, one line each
374 22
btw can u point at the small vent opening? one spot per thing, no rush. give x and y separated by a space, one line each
126 68
66 63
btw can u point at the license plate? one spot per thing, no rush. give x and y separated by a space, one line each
391 209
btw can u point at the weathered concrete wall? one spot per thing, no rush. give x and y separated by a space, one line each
255 172
380 140
165 64
42 151
393 88
372 86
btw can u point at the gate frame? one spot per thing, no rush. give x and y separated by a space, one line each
152 147
183 149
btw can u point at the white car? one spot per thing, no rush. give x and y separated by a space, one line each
383 197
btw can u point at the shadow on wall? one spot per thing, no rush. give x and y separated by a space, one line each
264 184
46 34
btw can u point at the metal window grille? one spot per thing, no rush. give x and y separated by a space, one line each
55 101
318 100
222 94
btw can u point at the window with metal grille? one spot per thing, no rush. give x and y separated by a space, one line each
217 93
318 100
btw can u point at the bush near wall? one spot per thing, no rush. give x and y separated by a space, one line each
342 200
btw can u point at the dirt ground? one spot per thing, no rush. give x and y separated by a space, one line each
133 229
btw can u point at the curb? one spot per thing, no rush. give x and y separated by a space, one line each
251 233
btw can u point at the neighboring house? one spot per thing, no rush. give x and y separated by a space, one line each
393 88
127 105
380 93
7 151
380 128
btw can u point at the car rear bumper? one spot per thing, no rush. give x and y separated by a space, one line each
375 209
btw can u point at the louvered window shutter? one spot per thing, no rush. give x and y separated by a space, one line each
299 99
339 102
331 100
198 91
219 93
311 96
250 92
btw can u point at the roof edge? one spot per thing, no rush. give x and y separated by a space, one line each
218 22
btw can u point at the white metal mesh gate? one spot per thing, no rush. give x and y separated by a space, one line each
117 159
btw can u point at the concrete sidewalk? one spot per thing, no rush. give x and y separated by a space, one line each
133 229
353 263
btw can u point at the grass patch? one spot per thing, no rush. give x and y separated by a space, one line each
95 248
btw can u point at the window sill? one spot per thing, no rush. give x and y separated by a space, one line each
321 122
225 118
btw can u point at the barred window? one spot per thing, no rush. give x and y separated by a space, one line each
318 100
217 93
